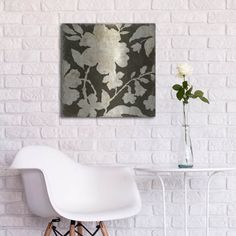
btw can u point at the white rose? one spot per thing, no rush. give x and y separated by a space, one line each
184 70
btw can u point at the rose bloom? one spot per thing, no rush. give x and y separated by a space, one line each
184 70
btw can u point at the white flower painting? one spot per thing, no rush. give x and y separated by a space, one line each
108 70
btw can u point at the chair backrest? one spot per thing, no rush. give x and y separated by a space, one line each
35 162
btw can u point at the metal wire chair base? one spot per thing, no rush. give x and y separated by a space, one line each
58 233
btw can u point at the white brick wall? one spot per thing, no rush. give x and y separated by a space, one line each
199 31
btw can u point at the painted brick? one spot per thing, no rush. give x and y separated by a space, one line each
23 232
222 68
83 16
133 157
80 145
10 196
189 42
62 132
50 107
14 182
21 31
207 55
171 29
40 68
208 81
9 94
115 145
95 5
40 43
10 18
136 132
57 5
22 56
10 68
189 17
222 17
222 42
170 5
153 145
204 29
231 29
39 94
40 119
22 132
11 120
132 4
40 19
22 5
22 81
22 107
50 30
207 4
120 17
10 43
11 221
231 4
153 16
50 81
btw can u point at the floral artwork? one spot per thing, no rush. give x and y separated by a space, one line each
108 70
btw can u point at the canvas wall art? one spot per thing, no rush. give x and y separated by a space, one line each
108 70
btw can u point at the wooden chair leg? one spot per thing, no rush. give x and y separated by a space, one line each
80 229
103 229
72 228
48 230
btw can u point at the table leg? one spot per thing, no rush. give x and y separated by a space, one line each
208 201
164 203
185 204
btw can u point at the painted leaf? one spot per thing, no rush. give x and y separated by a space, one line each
77 58
127 25
149 46
144 80
124 32
73 37
68 30
78 28
143 32
105 100
120 110
139 89
136 47
143 69
133 74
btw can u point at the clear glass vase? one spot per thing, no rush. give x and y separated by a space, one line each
185 148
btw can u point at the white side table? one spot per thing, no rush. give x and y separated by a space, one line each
211 171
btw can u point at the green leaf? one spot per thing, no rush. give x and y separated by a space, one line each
198 93
188 93
204 99
185 84
177 87
180 94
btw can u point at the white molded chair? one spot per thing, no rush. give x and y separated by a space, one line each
57 186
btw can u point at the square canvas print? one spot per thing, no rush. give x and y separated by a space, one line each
108 70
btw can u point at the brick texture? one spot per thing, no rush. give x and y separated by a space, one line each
201 32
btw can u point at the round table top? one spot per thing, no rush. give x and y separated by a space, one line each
182 170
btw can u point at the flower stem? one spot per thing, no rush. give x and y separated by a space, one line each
85 81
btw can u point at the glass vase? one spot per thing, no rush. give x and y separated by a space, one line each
185 148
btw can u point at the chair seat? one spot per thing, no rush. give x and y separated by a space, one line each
90 216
